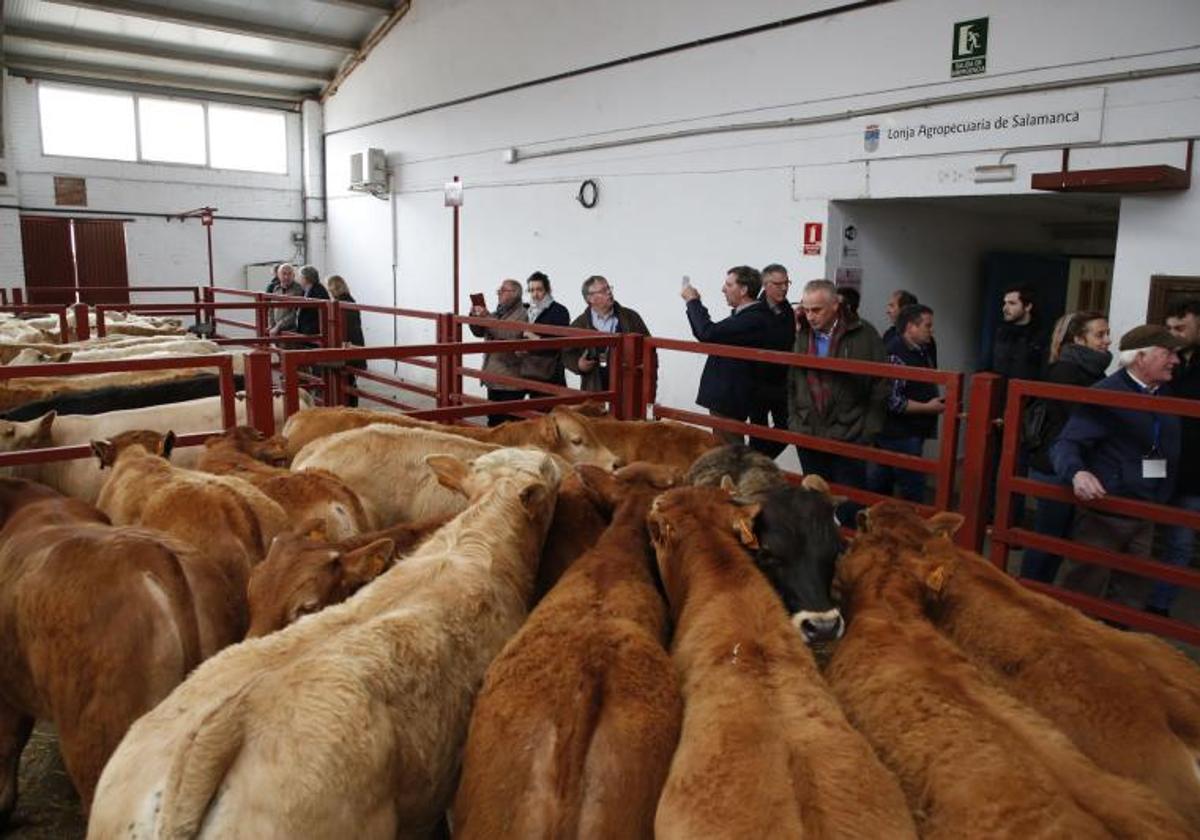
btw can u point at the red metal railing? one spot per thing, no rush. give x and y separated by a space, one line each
1005 536
64 329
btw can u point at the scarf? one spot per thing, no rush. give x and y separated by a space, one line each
502 311
1092 362
536 309
820 384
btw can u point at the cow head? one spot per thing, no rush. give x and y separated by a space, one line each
155 443
606 490
250 441
569 434
534 469
303 573
901 521
797 546
30 434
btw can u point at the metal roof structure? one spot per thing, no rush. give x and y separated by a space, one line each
276 52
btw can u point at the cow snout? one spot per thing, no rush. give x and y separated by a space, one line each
819 626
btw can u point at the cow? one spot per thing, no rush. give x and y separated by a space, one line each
972 760
796 536
1128 701
579 715
52 392
564 432
305 572
581 516
350 721
385 464
304 494
764 750
660 441
228 521
98 622
82 478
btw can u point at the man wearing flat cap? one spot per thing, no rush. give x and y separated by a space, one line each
1106 451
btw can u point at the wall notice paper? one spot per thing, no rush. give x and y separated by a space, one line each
1008 122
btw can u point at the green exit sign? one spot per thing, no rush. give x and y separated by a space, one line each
968 56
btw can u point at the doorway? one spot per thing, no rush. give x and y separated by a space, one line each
83 255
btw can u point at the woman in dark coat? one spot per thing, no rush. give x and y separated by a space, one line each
352 332
1082 360
547 365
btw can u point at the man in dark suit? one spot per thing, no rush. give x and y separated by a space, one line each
770 399
727 385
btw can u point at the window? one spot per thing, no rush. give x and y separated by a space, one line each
87 123
239 138
171 131
112 125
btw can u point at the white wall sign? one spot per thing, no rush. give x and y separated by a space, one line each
1009 122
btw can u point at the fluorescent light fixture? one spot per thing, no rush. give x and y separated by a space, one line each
992 172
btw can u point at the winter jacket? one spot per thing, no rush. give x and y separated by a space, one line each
727 386
1186 384
856 408
900 423
1019 351
628 321
352 331
285 316
308 319
505 364
1076 365
1110 443
546 365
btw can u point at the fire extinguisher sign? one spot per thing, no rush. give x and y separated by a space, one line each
812 238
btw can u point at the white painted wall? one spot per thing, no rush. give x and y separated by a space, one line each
700 204
159 252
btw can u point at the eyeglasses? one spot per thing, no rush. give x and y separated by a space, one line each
780 283
607 290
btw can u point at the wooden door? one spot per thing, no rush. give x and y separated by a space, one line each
100 261
49 259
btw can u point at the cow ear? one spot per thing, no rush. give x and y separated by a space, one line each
551 434
166 444
862 520
812 481
105 452
727 484
743 524
450 471
362 565
46 422
944 523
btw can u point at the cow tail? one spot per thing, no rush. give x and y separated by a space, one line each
199 767
187 619
572 749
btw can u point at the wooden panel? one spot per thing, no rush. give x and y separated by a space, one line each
1166 291
70 191
100 259
46 247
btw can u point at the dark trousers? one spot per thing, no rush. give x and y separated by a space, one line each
836 469
1115 533
1052 519
1177 550
500 395
884 479
773 406
728 437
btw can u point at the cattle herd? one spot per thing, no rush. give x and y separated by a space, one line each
570 626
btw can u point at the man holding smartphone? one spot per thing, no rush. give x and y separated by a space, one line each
509 308
602 314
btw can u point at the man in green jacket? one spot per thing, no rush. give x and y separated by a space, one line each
837 406
602 314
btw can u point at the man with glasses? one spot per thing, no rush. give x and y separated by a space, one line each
602 314
509 308
770 398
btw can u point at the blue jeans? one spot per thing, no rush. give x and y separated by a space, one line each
881 478
1177 551
1052 519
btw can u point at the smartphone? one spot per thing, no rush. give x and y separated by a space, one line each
687 281
477 299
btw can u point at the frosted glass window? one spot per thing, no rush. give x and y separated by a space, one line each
87 123
171 131
241 138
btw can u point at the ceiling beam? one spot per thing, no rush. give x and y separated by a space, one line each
128 78
383 7
79 40
219 23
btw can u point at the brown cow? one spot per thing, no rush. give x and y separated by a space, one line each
578 717
250 455
973 761
562 432
659 441
349 722
304 572
227 520
98 625
765 751
1129 701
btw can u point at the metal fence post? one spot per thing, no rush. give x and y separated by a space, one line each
444 329
260 403
82 330
983 407
18 296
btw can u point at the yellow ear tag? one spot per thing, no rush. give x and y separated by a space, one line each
746 534
936 579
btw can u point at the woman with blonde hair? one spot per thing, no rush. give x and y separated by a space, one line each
352 332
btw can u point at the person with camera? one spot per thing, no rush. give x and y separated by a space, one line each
602 314
509 307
